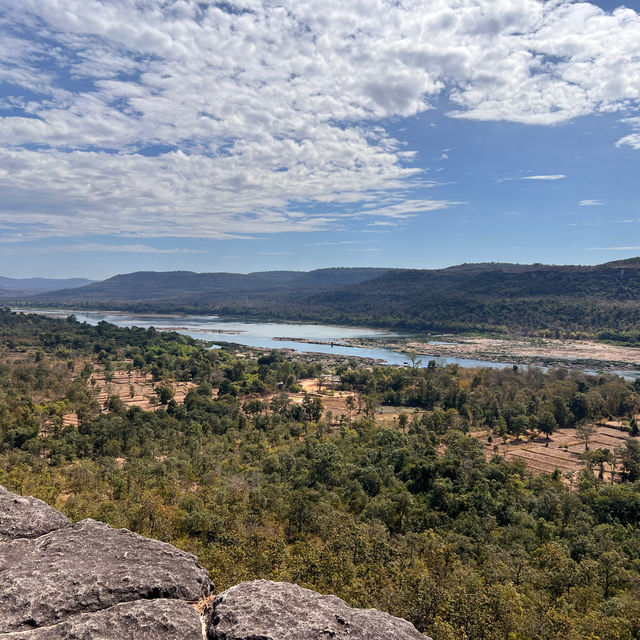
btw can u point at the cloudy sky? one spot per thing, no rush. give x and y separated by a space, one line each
295 134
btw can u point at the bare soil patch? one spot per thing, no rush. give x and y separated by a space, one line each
563 451
134 388
335 401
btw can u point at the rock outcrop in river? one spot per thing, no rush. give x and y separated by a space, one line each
60 581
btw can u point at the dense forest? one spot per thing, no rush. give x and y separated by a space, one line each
410 517
555 301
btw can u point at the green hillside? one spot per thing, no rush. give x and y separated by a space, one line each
597 301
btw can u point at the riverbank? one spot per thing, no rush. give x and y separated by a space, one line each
576 354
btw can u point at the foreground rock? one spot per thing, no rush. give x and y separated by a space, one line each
27 517
141 620
89 567
264 610
89 581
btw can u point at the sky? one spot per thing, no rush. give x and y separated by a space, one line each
252 135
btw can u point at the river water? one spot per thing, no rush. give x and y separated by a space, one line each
262 334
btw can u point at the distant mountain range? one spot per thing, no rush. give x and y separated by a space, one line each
12 287
176 289
596 301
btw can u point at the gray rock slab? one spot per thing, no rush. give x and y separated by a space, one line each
264 610
27 517
90 567
141 620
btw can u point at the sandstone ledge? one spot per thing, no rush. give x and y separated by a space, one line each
27 517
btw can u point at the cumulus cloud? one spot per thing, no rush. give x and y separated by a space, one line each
186 118
590 203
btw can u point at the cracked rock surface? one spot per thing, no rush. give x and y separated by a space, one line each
91 581
265 610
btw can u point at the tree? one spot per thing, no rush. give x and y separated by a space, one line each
413 357
580 406
611 566
547 423
518 426
312 407
371 402
350 404
164 393
560 410
599 457
630 460
586 430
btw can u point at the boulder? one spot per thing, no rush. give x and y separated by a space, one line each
89 567
140 620
265 610
27 517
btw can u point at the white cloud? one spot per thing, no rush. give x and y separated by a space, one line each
97 247
275 253
632 140
337 243
186 119
551 177
615 248
590 203
408 208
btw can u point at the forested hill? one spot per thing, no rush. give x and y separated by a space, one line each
522 298
173 288
597 301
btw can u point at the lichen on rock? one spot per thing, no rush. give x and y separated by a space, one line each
27 517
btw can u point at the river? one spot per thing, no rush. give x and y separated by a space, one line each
264 334
269 335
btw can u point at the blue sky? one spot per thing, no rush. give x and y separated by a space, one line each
254 135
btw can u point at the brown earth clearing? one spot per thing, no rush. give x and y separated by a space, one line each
562 451
134 388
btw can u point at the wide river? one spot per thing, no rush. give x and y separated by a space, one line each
263 334
268 335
